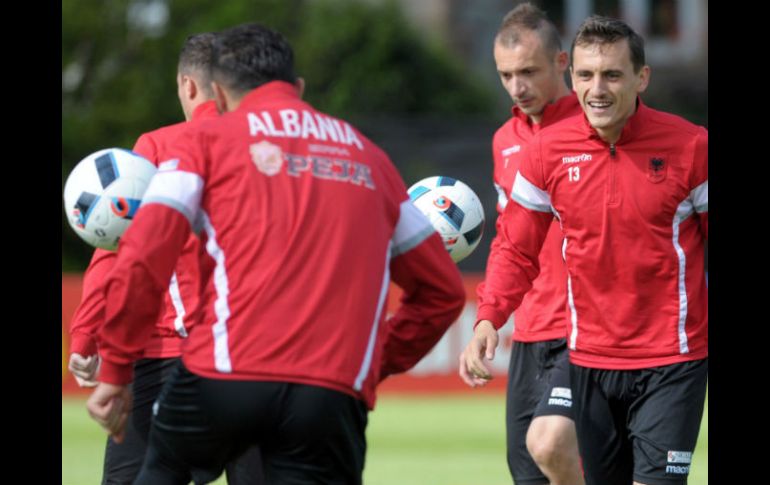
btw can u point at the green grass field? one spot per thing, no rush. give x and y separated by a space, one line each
439 440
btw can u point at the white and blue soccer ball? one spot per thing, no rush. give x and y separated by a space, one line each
103 193
454 210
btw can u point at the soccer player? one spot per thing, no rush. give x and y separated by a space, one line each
629 185
304 222
161 350
540 431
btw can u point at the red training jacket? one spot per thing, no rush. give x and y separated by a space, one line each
635 217
304 222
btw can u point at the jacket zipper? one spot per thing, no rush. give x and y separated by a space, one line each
613 191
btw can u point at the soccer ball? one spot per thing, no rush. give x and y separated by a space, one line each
454 210
102 194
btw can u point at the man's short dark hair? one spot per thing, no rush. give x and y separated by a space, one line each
249 55
605 30
196 57
528 17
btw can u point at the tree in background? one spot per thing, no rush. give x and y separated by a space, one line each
119 64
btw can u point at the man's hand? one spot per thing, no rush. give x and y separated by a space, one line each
85 369
483 344
109 405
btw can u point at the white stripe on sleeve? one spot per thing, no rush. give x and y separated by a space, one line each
700 197
529 195
502 199
412 229
683 212
363 371
176 300
176 189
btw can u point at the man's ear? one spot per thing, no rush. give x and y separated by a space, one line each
219 97
190 87
562 61
644 78
300 84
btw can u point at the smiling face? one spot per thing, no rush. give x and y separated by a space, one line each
530 74
606 85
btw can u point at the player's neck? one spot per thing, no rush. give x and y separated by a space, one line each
563 90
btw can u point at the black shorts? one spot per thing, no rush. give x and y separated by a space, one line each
538 385
123 461
306 434
638 425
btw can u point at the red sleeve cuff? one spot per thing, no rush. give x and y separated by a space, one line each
82 344
118 374
497 318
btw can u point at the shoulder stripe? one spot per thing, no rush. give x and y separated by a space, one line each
411 230
529 195
176 189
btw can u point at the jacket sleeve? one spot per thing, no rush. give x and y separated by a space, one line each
699 193
90 313
513 260
147 255
134 289
433 296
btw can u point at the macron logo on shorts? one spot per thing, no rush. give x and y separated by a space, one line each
561 396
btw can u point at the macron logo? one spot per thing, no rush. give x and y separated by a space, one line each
677 470
510 150
583 157
558 401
